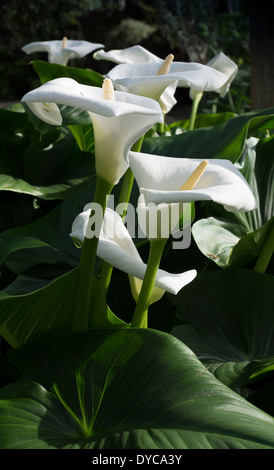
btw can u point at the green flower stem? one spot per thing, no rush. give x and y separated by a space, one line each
126 189
194 109
128 180
161 126
129 177
266 253
140 317
83 299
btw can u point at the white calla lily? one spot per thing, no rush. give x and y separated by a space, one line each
117 248
129 55
117 122
225 65
160 180
138 54
61 51
143 79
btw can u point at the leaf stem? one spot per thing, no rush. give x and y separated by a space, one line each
161 126
124 197
140 317
82 301
266 253
194 109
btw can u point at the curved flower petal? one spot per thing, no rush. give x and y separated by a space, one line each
59 53
138 54
160 179
117 248
49 110
225 65
129 55
117 123
142 78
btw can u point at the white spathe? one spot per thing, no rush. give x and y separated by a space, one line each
138 54
117 248
142 79
225 65
117 123
129 55
60 52
160 178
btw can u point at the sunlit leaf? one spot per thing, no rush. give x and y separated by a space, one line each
129 389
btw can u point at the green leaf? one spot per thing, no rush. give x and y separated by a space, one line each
12 122
47 71
50 309
27 316
46 168
126 389
223 140
84 136
47 239
226 318
202 120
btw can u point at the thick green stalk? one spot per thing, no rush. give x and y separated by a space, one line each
266 253
140 317
161 126
194 109
128 180
87 264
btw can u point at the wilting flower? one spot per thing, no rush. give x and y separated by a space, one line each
167 181
119 119
152 79
61 51
117 248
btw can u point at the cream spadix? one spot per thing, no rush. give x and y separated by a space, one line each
165 67
193 179
108 90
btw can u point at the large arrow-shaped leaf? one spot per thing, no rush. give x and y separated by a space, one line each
132 389
50 309
223 140
226 318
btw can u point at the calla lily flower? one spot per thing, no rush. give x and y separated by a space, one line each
118 122
61 51
225 65
129 55
117 248
160 180
138 54
144 78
